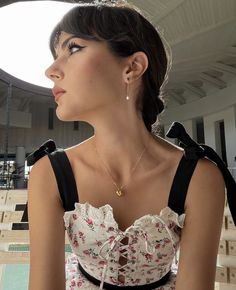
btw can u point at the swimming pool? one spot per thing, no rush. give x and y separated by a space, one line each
16 277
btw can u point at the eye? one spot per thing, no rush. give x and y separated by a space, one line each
73 47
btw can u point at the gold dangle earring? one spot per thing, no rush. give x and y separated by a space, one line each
127 95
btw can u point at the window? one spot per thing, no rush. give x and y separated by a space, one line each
50 118
220 140
200 131
76 125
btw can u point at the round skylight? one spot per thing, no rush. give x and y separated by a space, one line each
25 28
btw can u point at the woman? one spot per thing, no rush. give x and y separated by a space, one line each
109 70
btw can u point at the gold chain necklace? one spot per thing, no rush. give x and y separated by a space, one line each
119 191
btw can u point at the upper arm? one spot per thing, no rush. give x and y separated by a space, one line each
46 229
201 233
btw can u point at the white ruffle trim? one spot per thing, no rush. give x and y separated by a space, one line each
168 214
105 214
86 210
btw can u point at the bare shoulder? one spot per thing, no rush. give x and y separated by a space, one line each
41 169
207 185
42 176
41 165
205 203
205 165
42 186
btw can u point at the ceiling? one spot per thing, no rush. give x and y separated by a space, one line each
202 37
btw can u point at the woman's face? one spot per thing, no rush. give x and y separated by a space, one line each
90 75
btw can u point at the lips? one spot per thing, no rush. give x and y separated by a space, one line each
57 92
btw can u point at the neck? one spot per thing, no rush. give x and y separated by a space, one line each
119 148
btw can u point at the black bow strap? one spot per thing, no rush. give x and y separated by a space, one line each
46 148
193 150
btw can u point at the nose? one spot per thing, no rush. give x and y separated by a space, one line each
54 73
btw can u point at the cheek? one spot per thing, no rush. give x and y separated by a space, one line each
105 77
100 67
92 80
85 75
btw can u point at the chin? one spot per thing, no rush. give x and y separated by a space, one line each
63 116
67 116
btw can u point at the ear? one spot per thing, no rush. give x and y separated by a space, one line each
135 67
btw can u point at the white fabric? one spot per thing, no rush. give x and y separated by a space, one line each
95 239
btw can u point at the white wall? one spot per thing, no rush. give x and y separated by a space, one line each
17 118
229 117
220 105
31 138
213 103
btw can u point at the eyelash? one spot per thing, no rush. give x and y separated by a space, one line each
73 45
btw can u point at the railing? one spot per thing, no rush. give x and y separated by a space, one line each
9 181
13 176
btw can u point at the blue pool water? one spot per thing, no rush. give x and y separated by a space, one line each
15 277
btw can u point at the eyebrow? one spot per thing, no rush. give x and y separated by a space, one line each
66 41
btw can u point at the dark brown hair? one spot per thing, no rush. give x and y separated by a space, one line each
126 31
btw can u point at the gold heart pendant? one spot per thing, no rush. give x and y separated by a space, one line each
119 192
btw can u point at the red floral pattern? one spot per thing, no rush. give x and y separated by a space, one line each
95 241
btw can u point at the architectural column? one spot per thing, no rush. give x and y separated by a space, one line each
20 167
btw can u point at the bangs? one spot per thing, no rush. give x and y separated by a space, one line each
96 22
76 22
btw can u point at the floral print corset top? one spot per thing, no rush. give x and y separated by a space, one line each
97 241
